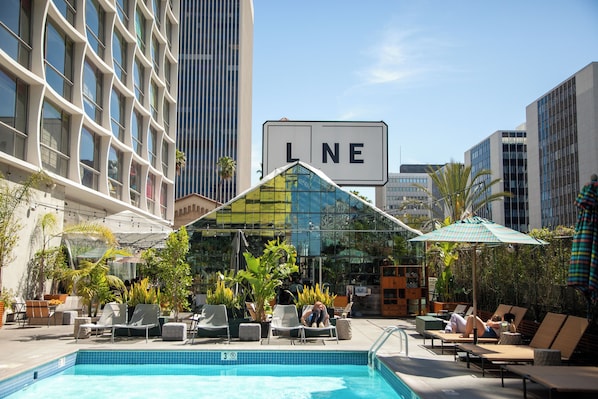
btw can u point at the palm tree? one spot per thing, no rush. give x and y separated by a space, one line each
226 170
180 161
461 193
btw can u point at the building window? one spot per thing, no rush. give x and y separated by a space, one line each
122 8
169 32
154 100
94 21
140 29
119 56
166 115
151 146
137 133
167 69
13 115
115 173
15 30
150 185
89 159
135 183
67 9
59 61
138 76
156 54
55 138
117 114
92 92
165 147
163 200
156 9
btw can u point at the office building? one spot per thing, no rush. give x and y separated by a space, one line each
504 153
89 96
562 139
214 107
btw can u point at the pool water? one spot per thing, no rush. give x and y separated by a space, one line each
247 381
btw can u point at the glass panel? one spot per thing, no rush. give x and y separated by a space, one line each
151 142
122 7
67 9
154 100
89 159
92 92
94 20
15 39
140 29
165 148
58 53
55 139
115 172
119 53
138 76
135 183
117 113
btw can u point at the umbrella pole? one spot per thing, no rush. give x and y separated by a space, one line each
475 297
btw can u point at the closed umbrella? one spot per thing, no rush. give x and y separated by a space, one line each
476 230
583 268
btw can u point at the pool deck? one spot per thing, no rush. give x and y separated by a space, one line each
430 374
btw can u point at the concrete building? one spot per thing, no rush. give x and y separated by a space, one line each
407 202
505 154
215 89
89 96
562 138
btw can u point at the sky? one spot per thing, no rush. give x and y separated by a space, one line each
443 74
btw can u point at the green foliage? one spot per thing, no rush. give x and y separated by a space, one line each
171 271
312 294
223 295
7 297
266 273
93 282
142 292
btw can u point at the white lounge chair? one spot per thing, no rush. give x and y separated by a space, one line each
211 318
113 313
285 319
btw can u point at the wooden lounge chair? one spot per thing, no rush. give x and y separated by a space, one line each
456 338
38 312
559 379
519 314
566 340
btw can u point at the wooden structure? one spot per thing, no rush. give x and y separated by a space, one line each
400 287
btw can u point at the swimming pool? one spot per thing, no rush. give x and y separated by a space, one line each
226 374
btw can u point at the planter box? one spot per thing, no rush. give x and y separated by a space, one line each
440 307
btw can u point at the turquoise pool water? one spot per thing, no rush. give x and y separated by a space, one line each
198 381
207 374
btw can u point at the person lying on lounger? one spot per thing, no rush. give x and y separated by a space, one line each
317 316
491 328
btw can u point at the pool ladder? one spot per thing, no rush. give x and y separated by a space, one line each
388 331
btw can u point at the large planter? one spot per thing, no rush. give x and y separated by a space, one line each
444 307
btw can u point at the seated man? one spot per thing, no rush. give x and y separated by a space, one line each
317 316
491 329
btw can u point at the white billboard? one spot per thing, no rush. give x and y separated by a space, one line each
349 153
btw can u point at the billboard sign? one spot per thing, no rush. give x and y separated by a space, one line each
349 153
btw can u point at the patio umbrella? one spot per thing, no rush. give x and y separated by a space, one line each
237 260
476 230
583 268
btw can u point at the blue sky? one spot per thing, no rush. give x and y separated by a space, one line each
443 75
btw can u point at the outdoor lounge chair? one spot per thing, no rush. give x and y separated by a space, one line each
456 338
286 320
566 340
211 318
145 317
560 379
39 311
347 310
113 313
316 332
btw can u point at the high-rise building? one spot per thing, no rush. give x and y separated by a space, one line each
407 202
504 153
562 137
89 92
215 87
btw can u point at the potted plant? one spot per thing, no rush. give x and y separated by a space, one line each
141 291
264 274
312 294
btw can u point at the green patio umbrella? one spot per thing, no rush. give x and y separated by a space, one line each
477 231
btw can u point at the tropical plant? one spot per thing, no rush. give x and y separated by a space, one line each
459 192
93 282
264 274
224 295
7 297
141 292
172 272
11 197
226 170
312 294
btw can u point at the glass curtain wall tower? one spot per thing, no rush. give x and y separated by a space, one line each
214 108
